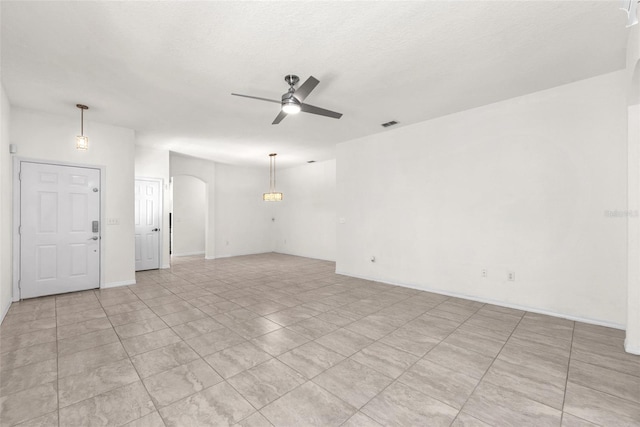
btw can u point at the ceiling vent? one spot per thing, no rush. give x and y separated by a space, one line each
391 123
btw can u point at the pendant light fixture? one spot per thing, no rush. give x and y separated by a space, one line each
82 142
272 195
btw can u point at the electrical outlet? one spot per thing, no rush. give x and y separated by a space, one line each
113 221
484 273
511 276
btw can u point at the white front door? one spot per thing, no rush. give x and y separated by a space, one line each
59 229
147 223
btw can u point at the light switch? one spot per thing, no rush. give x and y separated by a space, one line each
113 221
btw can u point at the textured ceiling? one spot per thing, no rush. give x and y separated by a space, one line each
167 69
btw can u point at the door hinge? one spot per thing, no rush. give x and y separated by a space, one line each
20 176
19 229
19 284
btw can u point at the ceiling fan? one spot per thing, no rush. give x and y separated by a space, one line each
292 100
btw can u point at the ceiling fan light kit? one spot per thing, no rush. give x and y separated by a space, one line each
292 101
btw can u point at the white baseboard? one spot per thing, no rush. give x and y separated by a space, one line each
494 302
188 253
209 257
5 310
631 349
117 284
166 266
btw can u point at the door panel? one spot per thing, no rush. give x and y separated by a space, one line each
57 250
147 224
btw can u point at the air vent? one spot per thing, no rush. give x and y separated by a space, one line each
391 123
311 161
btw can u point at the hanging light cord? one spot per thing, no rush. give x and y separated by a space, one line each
82 122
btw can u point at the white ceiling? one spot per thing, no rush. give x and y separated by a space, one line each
167 69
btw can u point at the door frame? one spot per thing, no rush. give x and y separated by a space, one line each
17 161
160 182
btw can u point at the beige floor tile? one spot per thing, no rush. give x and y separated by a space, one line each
371 328
254 327
313 328
498 406
27 404
164 358
47 420
115 407
254 420
86 341
352 382
402 406
280 341
180 382
266 307
14 342
569 420
219 405
311 359
446 385
183 316
344 342
151 420
484 345
606 380
28 376
466 420
150 341
406 340
536 384
141 327
266 382
132 316
600 408
235 359
113 310
460 359
75 388
68 318
197 327
308 405
361 420
27 355
292 315
82 328
606 356
90 359
215 341
385 359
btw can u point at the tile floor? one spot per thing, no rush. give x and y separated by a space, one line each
280 340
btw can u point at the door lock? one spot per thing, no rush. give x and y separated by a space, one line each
93 238
156 229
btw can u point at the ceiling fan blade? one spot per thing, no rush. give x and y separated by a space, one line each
256 97
319 111
305 89
281 115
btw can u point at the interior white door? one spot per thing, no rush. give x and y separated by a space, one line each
147 224
59 229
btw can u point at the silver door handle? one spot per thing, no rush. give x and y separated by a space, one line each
93 238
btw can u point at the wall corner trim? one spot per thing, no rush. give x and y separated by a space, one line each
4 312
631 349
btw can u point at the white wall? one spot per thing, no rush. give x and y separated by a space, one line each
632 341
243 222
151 163
204 170
520 185
6 289
189 215
51 137
306 218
